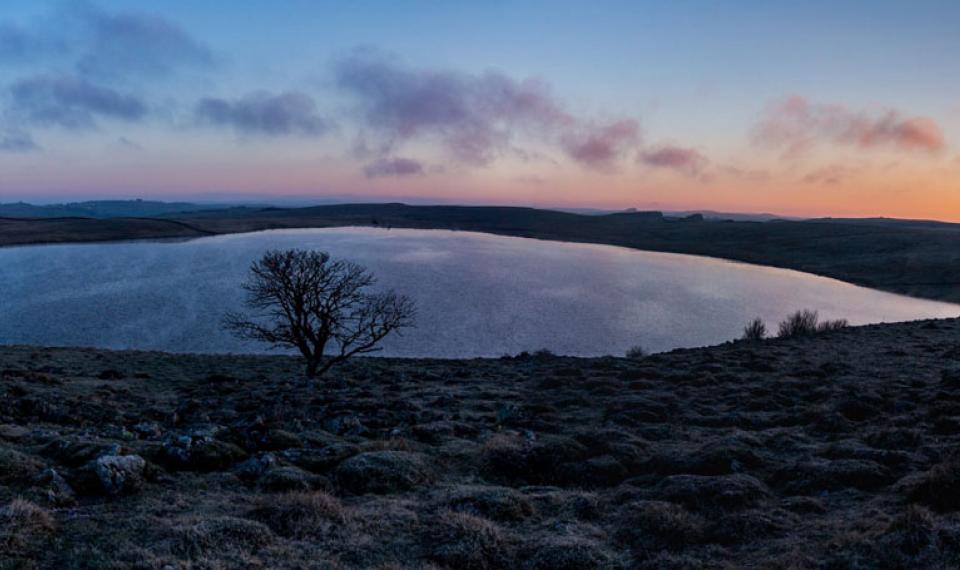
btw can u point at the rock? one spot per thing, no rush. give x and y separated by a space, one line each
346 424
276 440
383 472
320 460
252 468
77 453
59 492
11 432
291 479
147 429
117 474
727 492
202 453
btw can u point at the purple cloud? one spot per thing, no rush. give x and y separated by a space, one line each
795 125
682 159
393 167
286 113
71 102
599 147
475 117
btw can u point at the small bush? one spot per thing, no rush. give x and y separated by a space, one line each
300 515
835 325
939 488
806 323
636 353
755 330
23 524
801 323
459 540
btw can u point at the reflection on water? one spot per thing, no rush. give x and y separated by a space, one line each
478 295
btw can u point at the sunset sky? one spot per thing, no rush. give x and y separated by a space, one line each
843 108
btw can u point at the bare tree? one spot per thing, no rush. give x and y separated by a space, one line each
308 301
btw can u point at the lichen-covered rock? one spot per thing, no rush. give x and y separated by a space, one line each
117 474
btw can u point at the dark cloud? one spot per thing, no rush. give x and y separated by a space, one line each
129 43
393 167
682 159
71 102
262 113
17 141
474 116
599 147
795 125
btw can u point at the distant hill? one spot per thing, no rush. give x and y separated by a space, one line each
102 209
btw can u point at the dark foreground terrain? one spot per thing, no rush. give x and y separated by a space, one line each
911 257
834 451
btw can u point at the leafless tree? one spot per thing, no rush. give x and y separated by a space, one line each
308 301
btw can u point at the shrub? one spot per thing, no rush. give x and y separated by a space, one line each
807 322
636 353
23 523
939 488
801 323
835 325
301 515
459 540
755 330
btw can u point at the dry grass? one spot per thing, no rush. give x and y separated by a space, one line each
783 454
303 515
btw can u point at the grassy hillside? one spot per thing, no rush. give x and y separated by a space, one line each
915 258
835 451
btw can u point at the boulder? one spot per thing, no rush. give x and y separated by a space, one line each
320 460
202 453
114 474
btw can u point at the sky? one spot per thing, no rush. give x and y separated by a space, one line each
816 108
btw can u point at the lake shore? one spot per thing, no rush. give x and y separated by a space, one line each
836 450
920 259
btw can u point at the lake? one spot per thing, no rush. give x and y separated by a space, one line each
477 294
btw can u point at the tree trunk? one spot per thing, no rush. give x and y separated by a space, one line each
312 366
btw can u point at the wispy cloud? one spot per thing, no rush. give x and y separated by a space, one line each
475 117
795 125
101 44
17 141
601 146
71 102
393 167
262 113
682 159
135 43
